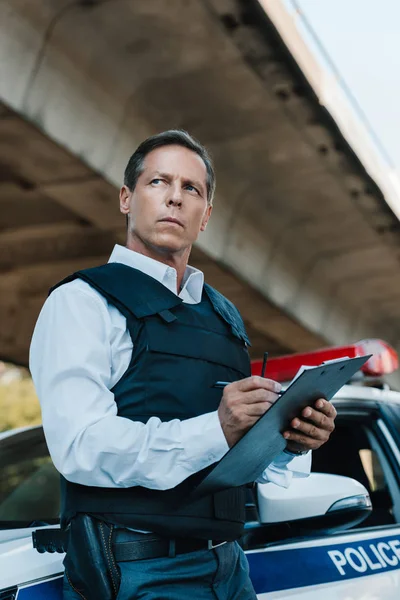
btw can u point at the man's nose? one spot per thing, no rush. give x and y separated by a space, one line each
175 196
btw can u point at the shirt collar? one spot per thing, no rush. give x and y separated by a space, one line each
193 279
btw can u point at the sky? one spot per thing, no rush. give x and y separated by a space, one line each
362 39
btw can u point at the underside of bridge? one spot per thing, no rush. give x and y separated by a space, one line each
301 239
45 235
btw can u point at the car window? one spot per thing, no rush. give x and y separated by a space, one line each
29 488
349 452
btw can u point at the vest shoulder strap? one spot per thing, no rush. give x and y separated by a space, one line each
127 289
228 311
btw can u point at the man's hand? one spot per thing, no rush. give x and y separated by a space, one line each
313 428
243 403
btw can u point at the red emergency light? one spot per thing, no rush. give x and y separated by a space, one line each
284 368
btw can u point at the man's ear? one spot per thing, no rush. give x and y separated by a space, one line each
125 195
206 218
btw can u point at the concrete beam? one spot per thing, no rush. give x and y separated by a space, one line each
92 199
36 244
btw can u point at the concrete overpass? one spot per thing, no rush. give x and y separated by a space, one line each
301 239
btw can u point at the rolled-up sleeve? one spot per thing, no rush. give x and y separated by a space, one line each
286 466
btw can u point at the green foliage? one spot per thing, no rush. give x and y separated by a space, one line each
19 405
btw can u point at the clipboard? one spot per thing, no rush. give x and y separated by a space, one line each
252 454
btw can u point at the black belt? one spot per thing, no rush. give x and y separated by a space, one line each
143 546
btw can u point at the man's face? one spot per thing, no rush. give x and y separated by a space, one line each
168 207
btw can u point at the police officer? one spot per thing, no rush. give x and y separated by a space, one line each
124 357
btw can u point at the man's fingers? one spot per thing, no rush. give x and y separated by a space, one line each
306 442
243 403
254 383
259 396
316 418
326 408
254 397
257 410
313 427
311 430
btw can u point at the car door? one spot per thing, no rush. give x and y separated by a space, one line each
364 446
29 498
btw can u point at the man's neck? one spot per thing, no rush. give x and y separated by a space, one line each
177 261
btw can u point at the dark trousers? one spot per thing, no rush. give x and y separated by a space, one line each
218 574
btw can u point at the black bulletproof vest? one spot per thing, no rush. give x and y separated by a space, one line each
179 351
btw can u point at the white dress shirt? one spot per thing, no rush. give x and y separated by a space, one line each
80 349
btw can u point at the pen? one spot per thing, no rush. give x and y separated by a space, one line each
264 365
222 384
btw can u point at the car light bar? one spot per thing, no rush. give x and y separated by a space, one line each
284 368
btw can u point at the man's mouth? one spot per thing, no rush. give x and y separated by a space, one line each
172 220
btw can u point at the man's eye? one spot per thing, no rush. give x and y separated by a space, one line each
156 180
191 188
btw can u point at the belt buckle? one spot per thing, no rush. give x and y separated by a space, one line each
211 546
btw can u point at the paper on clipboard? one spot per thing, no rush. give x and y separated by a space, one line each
304 368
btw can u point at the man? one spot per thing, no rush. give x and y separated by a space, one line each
124 358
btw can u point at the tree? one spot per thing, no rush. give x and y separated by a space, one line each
19 405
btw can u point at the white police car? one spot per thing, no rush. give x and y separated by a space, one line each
320 538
